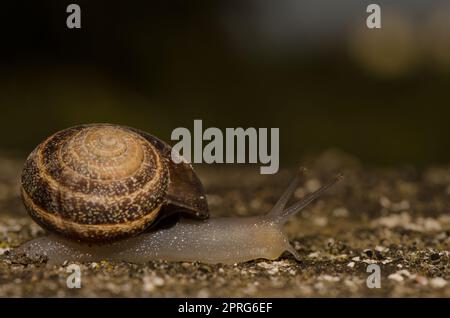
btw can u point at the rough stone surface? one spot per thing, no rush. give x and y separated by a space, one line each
398 218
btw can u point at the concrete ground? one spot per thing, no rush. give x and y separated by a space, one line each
397 218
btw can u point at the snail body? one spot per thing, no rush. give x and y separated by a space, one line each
217 240
225 240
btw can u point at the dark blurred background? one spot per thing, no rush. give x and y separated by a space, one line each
311 68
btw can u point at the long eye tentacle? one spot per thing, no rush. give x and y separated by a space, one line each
281 216
283 200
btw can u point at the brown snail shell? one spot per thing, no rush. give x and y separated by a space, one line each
101 182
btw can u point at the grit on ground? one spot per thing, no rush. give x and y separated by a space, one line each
397 218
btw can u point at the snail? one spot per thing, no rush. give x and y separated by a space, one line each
100 190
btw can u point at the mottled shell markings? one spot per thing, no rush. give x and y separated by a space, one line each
95 180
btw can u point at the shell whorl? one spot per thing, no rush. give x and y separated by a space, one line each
95 182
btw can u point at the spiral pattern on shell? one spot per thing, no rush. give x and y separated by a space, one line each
95 182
